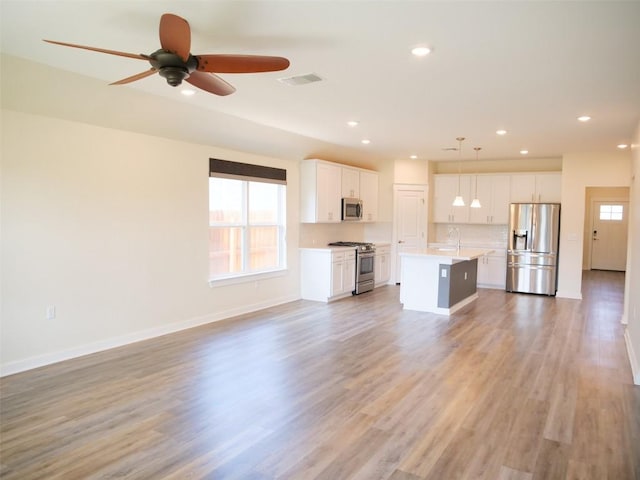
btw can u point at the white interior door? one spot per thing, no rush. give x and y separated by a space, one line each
409 221
609 236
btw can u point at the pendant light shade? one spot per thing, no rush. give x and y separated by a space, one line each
476 202
459 201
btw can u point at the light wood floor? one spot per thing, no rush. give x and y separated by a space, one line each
511 387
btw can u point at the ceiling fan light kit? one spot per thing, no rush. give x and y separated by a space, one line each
176 64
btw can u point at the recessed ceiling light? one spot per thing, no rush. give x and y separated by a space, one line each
187 92
501 132
366 141
413 157
584 118
420 51
353 123
622 146
524 152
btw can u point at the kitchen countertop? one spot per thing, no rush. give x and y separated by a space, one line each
328 248
337 249
448 254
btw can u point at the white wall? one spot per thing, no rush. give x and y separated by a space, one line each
580 171
111 227
632 280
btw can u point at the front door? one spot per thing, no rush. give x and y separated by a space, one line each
409 220
609 236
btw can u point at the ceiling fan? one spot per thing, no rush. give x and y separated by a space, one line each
175 62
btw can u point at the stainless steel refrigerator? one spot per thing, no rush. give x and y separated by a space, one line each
532 255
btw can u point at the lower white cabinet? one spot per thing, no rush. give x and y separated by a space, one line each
382 265
343 273
327 274
492 270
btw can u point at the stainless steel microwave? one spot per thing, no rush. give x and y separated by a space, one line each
351 209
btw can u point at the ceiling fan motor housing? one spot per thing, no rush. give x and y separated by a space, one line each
172 67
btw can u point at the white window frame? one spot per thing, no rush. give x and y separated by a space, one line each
246 274
607 213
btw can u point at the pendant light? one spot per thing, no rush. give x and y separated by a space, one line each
458 201
476 202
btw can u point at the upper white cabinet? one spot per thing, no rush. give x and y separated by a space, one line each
323 184
493 191
320 191
369 195
444 191
538 188
350 182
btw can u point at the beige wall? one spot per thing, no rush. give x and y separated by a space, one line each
580 171
111 228
411 171
499 166
632 281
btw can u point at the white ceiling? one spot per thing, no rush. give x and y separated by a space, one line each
529 67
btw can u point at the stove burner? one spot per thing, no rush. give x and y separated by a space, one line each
349 244
359 246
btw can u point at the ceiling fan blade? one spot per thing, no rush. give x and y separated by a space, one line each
210 83
175 35
102 50
240 63
133 78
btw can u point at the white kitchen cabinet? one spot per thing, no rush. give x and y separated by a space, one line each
327 274
538 188
320 192
493 191
492 270
369 195
350 182
445 189
382 265
343 273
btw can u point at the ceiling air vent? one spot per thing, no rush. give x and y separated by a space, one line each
301 79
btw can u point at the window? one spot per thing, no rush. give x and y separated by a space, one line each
247 219
611 212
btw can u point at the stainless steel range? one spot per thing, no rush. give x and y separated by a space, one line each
365 257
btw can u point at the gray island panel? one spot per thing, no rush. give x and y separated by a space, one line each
457 282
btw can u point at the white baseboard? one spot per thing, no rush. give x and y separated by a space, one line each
633 359
47 359
572 295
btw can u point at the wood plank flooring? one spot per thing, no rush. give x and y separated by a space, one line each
510 387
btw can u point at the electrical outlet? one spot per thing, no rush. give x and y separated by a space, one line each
51 312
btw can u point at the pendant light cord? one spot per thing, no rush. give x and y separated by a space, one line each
460 139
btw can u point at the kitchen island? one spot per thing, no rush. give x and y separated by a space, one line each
439 280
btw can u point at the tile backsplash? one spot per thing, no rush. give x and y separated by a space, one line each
494 235
320 234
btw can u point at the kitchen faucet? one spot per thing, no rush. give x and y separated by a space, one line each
455 230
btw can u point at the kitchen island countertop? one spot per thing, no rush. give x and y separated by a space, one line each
449 255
